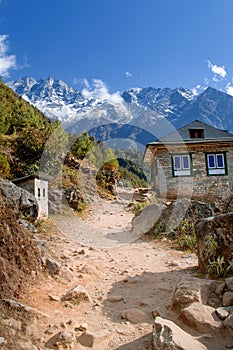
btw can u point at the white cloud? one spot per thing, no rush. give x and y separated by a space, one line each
218 71
219 80
196 89
99 91
7 62
128 74
229 89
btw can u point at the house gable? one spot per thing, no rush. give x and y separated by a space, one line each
185 133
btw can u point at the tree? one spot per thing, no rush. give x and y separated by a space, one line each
83 145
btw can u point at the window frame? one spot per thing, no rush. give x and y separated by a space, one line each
196 133
182 171
216 170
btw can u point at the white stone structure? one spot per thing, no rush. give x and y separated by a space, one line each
38 186
41 194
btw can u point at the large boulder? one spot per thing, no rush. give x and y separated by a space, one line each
201 317
134 316
214 240
55 201
192 289
167 335
97 341
204 305
20 200
143 222
181 209
60 340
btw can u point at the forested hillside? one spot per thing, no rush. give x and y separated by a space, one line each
23 134
24 131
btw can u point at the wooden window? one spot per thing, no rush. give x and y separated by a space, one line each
181 165
216 163
196 133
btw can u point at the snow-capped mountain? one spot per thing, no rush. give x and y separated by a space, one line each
58 100
167 102
154 110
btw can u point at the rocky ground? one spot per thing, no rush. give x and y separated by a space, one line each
104 285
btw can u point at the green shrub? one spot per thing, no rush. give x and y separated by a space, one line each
4 166
211 251
216 268
138 207
186 242
229 269
159 228
185 236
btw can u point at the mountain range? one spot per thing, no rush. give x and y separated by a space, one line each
138 114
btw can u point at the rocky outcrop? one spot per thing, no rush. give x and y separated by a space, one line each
60 340
215 241
31 312
73 197
182 209
95 340
146 219
55 201
76 295
20 200
52 265
204 305
107 179
134 316
167 335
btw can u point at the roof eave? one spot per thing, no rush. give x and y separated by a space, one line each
190 142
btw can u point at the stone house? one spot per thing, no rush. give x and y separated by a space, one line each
196 161
36 184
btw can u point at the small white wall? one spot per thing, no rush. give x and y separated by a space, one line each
41 194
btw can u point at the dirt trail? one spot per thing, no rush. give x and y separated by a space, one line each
119 273
106 225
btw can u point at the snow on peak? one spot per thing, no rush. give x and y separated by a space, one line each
95 104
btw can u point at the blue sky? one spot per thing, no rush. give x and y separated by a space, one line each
119 43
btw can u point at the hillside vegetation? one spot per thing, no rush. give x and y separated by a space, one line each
24 131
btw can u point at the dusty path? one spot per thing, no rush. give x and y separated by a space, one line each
107 225
119 274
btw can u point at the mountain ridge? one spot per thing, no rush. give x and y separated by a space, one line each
156 110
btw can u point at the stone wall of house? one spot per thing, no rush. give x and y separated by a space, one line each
200 185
